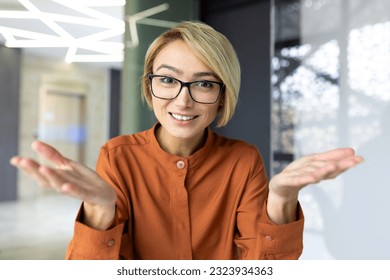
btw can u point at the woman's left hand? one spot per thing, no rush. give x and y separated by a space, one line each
285 186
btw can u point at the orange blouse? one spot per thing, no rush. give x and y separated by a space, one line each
210 205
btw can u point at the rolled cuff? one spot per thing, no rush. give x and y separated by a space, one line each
284 241
92 244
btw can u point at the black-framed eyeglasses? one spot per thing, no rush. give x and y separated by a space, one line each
168 88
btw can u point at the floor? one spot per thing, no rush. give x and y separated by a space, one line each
41 229
37 229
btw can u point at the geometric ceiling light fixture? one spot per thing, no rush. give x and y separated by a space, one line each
88 30
143 17
64 29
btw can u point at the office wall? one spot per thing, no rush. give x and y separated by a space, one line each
9 120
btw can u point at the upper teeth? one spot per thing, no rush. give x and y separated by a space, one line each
182 118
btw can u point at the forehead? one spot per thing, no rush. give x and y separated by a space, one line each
179 55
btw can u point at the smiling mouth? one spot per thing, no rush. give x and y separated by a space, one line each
182 117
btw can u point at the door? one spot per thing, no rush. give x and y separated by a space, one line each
62 123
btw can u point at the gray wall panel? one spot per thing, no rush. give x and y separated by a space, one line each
9 120
247 24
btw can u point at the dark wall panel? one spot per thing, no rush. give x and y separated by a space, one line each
247 24
115 95
9 120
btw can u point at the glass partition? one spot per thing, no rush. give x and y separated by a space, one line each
331 88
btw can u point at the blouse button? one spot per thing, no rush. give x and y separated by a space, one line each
180 164
269 238
111 243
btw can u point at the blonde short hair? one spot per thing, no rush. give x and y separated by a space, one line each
215 51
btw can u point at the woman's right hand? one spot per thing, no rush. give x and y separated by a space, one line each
73 179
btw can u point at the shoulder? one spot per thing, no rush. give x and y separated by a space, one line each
239 153
236 147
226 142
127 141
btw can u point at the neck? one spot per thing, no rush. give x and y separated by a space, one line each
177 146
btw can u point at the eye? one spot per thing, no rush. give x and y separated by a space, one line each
167 80
205 84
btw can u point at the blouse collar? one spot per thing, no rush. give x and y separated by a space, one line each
194 159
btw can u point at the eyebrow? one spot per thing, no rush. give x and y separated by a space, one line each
205 74
174 69
178 71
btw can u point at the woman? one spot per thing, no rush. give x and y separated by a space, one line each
178 190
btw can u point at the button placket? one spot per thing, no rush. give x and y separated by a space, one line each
180 211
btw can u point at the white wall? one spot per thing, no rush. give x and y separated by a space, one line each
347 218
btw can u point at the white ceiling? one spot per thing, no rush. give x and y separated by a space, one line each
103 26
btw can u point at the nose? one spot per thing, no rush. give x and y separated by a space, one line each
184 99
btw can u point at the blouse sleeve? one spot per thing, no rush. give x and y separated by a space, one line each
115 242
257 237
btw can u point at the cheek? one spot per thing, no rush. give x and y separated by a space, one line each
158 105
212 112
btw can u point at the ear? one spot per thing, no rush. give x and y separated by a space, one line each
221 105
222 101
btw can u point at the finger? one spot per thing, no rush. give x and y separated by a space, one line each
328 171
50 153
344 165
331 170
331 165
311 160
65 181
351 161
335 154
90 195
324 158
15 161
310 174
30 168
54 178
307 166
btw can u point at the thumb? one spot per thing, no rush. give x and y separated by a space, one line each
49 153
